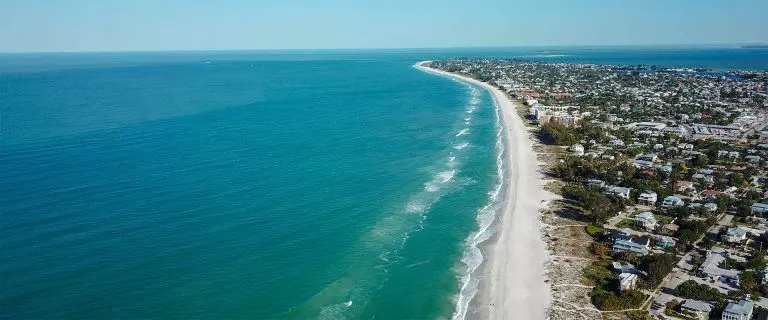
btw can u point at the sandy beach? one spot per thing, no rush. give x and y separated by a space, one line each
512 276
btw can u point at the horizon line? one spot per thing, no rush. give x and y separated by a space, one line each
384 48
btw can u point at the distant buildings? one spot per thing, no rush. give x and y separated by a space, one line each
557 114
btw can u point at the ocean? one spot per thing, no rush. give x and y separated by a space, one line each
255 185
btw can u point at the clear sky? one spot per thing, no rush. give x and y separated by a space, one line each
115 25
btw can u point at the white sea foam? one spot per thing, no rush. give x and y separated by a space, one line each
473 257
414 207
461 146
451 159
446 176
463 132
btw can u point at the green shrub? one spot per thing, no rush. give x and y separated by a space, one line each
594 230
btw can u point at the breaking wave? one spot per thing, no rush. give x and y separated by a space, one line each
473 257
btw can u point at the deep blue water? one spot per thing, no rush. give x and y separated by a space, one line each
252 185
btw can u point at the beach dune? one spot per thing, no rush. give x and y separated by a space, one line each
512 276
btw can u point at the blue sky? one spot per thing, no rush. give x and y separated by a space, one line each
115 25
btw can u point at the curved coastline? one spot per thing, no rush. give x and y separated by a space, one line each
511 279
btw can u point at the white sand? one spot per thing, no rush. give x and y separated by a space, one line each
513 284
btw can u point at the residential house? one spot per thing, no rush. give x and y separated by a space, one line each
637 245
735 235
649 157
672 201
624 267
759 208
577 149
699 308
764 277
647 198
665 242
711 269
753 159
685 186
596 183
620 191
712 195
741 311
643 164
646 220
627 281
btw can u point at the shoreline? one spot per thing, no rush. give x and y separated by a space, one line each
512 276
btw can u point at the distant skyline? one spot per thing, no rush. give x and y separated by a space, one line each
143 25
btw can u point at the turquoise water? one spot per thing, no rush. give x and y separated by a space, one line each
270 185
256 189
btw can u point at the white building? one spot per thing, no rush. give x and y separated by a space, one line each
577 149
627 281
740 311
647 198
711 269
735 235
646 220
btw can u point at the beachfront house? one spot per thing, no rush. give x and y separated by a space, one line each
627 281
735 235
700 309
646 220
637 245
625 267
738 311
647 198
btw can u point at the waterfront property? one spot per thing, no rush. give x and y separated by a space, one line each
627 281
637 245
